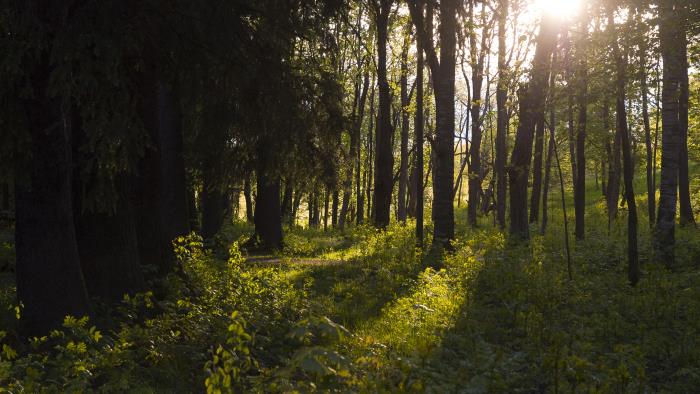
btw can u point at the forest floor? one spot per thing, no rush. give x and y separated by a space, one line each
365 311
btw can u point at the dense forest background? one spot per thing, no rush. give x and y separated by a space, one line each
351 196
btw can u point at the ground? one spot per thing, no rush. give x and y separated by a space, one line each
365 311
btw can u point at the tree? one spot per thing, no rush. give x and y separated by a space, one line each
532 102
670 32
633 272
443 74
502 118
384 157
403 166
582 99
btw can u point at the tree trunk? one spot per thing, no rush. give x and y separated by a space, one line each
334 209
212 208
685 206
5 197
287 201
50 283
173 192
268 216
621 116
614 172
651 192
547 171
582 98
537 168
247 193
106 229
502 118
403 167
670 30
384 156
108 246
418 140
531 103
477 63
443 74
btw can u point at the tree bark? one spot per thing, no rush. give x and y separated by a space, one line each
173 192
651 192
614 171
582 98
418 138
474 171
532 102
247 193
268 215
502 118
403 166
50 283
685 206
537 168
384 156
443 74
669 38
633 271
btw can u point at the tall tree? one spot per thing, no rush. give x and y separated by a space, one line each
582 101
418 140
403 165
650 165
476 56
621 116
383 177
532 102
443 74
670 31
502 117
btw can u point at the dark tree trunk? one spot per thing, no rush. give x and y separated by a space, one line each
193 214
621 117
443 74
212 208
334 209
502 118
531 103
403 167
296 202
418 138
173 192
474 172
5 196
670 30
551 104
651 192
582 98
614 171
547 172
148 181
268 215
108 246
685 206
287 201
325 210
537 168
247 193
50 283
570 113
384 157
106 229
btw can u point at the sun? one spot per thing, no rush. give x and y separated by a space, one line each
559 8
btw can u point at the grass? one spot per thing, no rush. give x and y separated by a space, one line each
497 317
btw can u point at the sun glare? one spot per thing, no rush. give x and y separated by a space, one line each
559 8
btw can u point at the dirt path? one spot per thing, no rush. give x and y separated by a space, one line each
274 260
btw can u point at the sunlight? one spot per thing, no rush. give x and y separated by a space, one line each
560 8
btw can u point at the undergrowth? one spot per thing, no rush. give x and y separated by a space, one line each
373 315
